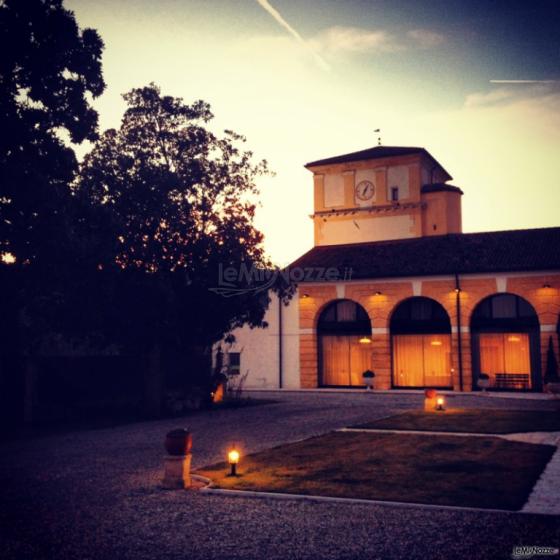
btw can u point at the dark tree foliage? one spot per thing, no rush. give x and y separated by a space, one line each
49 70
178 206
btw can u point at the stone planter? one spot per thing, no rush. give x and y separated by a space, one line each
483 383
430 396
178 442
368 382
430 403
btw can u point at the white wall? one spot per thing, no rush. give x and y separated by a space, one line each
259 348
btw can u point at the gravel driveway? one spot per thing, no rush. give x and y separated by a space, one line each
95 494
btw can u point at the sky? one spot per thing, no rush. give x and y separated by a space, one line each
476 83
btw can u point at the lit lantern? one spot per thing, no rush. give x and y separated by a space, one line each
365 340
439 403
233 459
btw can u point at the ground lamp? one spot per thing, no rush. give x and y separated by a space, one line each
439 403
233 459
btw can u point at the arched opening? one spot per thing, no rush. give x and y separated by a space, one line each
344 333
505 345
421 344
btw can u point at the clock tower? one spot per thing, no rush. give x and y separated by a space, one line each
382 193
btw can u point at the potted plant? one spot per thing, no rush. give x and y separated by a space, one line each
368 376
483 381
551 377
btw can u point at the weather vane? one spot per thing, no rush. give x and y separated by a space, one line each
379 137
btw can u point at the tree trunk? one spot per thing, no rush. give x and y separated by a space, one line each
153 383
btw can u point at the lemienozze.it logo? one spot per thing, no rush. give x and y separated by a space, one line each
520 552
243 279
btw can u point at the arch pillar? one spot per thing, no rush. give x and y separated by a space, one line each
381 358
309 309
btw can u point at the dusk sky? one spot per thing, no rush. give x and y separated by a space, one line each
476 83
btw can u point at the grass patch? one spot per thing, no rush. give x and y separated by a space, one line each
481 472
470 420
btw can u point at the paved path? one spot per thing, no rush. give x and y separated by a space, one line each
545 497
96 494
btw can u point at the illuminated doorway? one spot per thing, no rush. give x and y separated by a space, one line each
506 343
344 331
421 344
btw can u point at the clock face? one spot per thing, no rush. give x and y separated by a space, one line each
365 190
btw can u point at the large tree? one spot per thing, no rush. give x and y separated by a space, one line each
180 203
49 72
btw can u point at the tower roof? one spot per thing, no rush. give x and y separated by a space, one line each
377 152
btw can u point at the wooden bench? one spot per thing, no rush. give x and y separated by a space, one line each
512 381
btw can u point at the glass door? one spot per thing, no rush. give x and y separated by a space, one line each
505 357
344 359
422 360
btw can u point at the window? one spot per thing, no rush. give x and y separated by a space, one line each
344 315
344 353
504 306
394 194
421 309
421 342
504 310
420 315
234 363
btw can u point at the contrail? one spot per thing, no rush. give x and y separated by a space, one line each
278 17
524 81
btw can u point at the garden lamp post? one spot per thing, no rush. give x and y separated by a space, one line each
233 459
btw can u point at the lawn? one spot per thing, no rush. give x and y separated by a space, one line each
484 472
470 420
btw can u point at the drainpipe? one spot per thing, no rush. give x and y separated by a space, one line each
459 340
280 336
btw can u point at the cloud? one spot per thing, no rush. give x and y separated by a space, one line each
340 39
278 17
545 91
348 39
355 39
425 38
484 99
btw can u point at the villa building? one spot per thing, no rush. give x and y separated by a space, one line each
393 285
